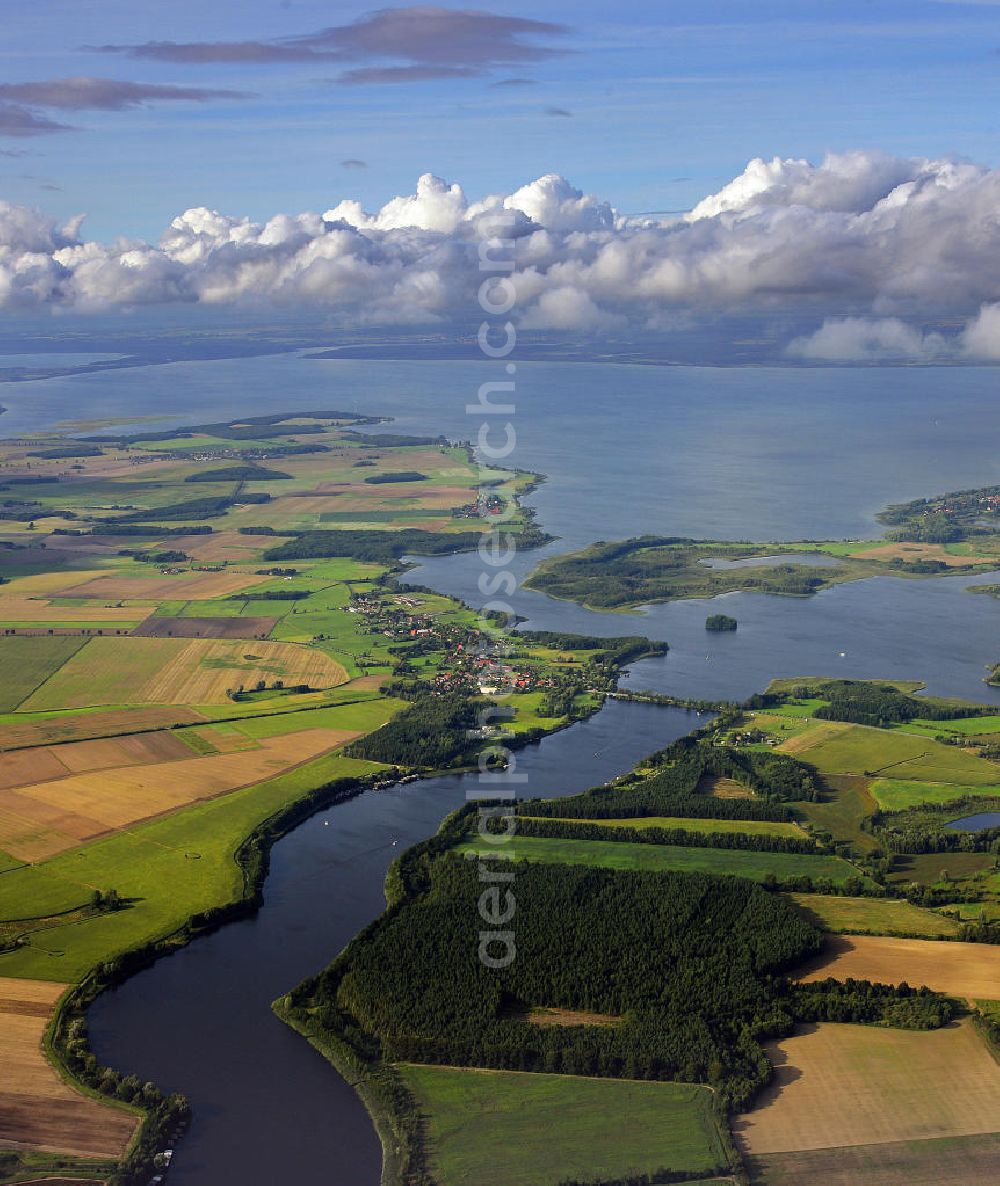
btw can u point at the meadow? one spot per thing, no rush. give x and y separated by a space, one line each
704 826
505 1128
27 663
874 916
898 794
858 749
660 858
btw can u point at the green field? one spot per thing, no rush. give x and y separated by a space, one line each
170 869
963 726
659 858
874 916
705 826
847 802
505 1128
859 749
28 661
927 868
897 794
364 716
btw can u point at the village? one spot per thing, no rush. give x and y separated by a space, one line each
461 657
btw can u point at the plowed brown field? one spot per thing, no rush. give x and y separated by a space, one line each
38 1110
968 970
857 1085
45 818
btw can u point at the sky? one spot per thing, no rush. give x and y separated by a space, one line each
132 112
665 101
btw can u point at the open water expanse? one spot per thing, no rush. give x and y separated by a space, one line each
763 454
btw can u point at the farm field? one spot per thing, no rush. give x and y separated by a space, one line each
505 1128
607 854
955 1161
39 1111
876 916
23 730
157 626
167 869
40 614
39 820
178 671
839 1084
896 794
859 749
191 586
967 970
962 726
847 802
28 662
705 826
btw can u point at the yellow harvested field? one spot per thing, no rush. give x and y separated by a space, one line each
968 970
45 584
119 670
227 546
188 586
25 609
820 731
39 1112
723 788
42 763
202 671
45 818
839 1085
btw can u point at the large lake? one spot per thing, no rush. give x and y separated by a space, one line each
754 453
730 454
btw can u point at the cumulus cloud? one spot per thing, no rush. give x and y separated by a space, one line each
104 94
453 42
865 339
981 337
864 243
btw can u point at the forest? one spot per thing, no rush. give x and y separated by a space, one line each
686 970
377 547
685 961
673 789
878 705
430 733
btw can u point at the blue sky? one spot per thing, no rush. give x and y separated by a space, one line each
665 102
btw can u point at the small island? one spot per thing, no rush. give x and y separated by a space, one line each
720 623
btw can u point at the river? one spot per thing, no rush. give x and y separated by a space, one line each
268 1110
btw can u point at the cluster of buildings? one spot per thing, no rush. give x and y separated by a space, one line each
468 662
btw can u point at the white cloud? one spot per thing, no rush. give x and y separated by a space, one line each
865 339
868 241
981 337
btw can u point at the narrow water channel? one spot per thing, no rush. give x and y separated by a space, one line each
268 1111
